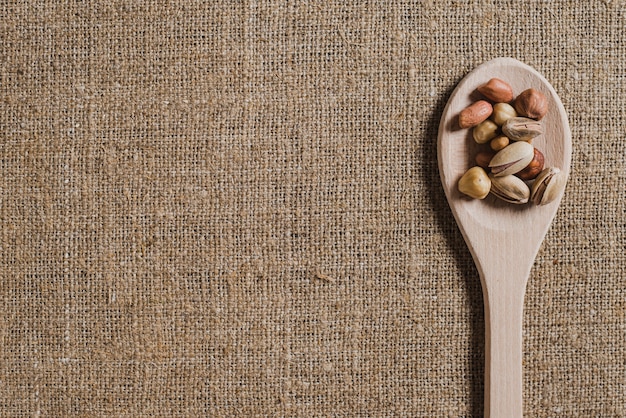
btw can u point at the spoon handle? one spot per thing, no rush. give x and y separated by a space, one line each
503 346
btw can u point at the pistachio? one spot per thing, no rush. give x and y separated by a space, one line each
512 159
522 129
548 186
485 131
475 183
502 112
510 189
531 103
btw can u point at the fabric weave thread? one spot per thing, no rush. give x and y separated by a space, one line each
233 209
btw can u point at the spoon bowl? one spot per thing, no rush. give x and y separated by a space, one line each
503 238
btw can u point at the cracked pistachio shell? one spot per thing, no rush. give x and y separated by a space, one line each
548 185
512 159
510 188
522 129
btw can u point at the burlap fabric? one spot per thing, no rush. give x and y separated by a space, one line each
220 208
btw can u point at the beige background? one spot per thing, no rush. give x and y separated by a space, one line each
220 208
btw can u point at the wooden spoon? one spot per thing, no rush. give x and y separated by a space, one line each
503 238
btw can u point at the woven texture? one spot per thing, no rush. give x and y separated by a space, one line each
220 208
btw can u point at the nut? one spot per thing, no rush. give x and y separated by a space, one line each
474 114
548 186
497 90
483 159
533 169
475 183
499 142
531 103
510 189
522 129
515 167
502 112
485 131
512 159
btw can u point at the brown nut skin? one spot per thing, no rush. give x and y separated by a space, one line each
533 169
483 158
531 103
475 114
497 90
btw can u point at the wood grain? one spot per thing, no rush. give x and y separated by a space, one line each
503 238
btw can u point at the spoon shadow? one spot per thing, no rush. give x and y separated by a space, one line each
454 239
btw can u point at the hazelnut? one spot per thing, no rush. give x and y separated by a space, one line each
533 168
483 159
531 103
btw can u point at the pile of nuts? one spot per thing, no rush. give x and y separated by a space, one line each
510 168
